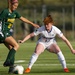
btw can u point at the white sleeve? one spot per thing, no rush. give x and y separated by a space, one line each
58 32
37 31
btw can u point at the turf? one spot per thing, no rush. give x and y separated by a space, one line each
47 63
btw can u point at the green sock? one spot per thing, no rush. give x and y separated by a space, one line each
11 56
12 59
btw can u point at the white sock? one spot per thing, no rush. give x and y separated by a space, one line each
32 60
62 59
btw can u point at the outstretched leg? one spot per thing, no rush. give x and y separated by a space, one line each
55 49
39 49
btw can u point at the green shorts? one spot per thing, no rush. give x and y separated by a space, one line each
3 36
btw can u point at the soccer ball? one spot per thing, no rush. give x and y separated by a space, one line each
18 69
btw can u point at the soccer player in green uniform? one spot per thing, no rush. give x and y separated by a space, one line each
7 18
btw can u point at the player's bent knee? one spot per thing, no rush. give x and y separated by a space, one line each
16 47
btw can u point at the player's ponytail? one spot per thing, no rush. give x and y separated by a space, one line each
48 19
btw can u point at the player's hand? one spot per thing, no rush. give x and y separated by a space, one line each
73 51
20 41
36 26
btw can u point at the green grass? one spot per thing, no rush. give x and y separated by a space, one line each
47 63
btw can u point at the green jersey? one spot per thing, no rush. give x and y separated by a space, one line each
6 21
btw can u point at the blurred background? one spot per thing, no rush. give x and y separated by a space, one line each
62 11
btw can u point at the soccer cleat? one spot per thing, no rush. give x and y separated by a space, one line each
66 70
27 70
11 69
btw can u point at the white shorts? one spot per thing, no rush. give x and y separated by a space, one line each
46 45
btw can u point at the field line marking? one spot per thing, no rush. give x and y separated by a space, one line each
45 64
22 62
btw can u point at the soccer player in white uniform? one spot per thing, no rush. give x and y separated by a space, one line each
47 41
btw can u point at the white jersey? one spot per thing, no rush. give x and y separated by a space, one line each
47 38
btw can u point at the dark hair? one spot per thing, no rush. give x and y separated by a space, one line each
48 19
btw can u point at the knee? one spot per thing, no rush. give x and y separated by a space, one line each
38 52
16 47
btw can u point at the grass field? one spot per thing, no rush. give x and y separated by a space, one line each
47 63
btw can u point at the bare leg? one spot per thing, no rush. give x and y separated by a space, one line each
39 49
12 45
55 49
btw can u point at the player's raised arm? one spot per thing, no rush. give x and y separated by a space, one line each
27 21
